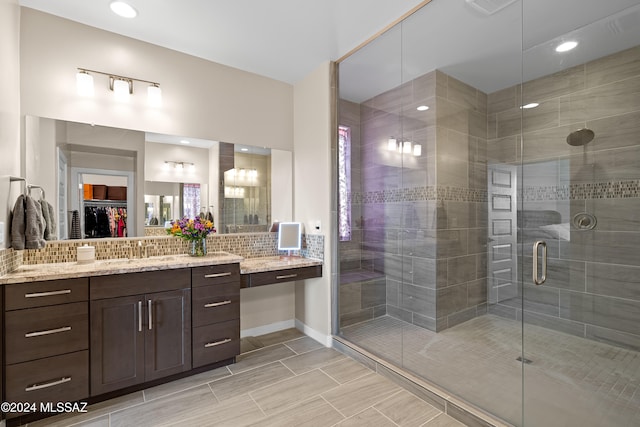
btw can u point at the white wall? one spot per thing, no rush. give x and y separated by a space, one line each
41 157
200 98
155 169
9 109
281 186
312 192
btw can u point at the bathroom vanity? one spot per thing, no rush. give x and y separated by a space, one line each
77 332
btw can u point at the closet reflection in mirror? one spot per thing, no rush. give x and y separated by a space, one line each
58 152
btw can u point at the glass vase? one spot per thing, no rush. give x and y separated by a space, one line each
198 247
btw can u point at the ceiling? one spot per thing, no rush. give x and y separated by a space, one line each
490 51
281 39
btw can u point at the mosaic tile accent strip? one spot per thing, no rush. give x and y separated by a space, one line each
9 260
414 194
155 231
586 191
248 245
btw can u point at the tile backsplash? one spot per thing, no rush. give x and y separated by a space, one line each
247 245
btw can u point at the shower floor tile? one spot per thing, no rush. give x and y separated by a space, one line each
571 380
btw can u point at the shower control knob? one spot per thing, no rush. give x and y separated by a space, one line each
584 221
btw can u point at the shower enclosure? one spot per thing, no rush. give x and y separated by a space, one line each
489 205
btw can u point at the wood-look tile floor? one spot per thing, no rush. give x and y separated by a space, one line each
280 379
571 381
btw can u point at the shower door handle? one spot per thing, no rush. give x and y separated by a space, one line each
539 280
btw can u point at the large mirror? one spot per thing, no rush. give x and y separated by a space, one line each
110 182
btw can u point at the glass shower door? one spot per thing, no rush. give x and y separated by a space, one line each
578 217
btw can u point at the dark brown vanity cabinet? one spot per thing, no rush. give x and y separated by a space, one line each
140 328
46 341
216 313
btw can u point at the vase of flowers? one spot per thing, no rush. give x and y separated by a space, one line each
195 231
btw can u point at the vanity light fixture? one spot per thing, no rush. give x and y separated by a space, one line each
566 46
404 147
122 86
423 108
180 165
529 105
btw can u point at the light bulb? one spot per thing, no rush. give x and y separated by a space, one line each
417 150
392 144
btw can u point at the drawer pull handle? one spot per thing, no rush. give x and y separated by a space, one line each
287 276
209 276
47 294
213 344
46 385
217 304
48 332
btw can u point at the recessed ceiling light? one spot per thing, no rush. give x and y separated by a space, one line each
530 105
123 9
184 141
566 46
422 108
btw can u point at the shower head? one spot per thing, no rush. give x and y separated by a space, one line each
580 137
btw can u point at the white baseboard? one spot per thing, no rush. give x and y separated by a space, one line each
323 339
267 329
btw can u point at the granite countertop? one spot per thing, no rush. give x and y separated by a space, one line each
271 263
67 270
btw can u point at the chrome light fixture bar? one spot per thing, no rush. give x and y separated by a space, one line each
120 85
179 165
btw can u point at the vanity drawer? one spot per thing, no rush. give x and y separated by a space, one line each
119 285
54 379
50 292
46 331
215 274
285 275
210 305
216 342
